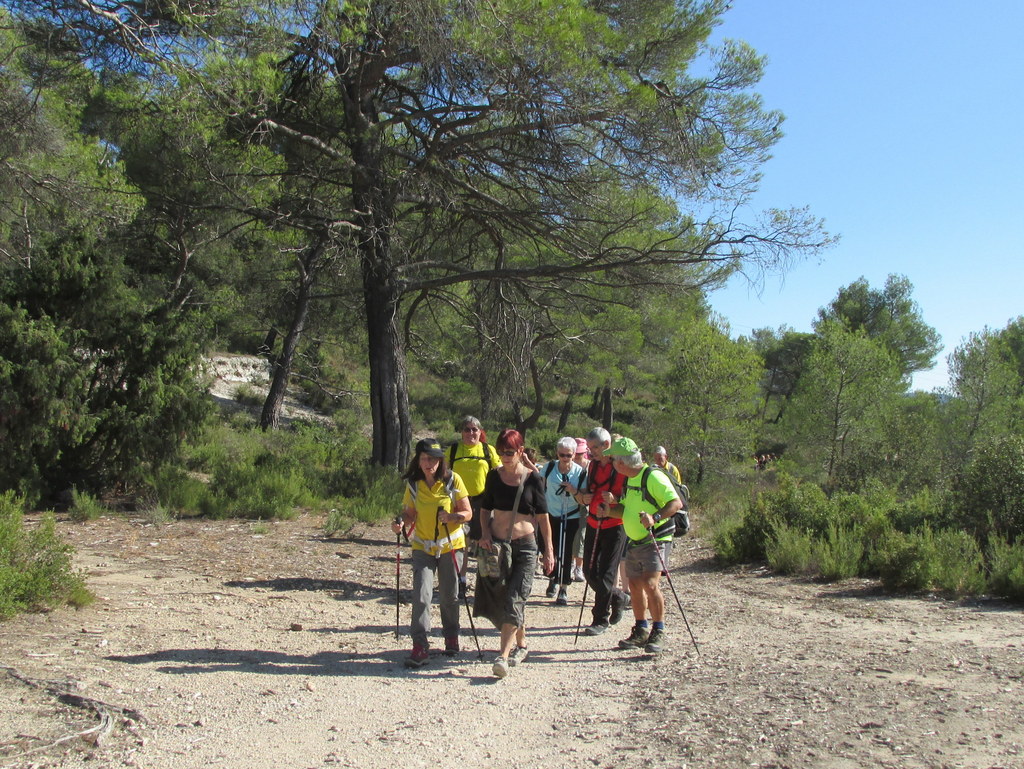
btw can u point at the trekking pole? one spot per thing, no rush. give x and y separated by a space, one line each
465 597
561 548
586 583
398 579
664 568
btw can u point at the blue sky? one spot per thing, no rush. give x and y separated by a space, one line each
904 125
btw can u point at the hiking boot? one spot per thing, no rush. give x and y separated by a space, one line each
563 597
637 638
655 641
500 667
552 587
577 573
420 656
596 629
619 602
451 645
518 655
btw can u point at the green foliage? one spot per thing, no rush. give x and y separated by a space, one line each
35 566
381 499
1006 564
990 496
840 553
177 490
888 316
85 507
789 550
960 569
908 561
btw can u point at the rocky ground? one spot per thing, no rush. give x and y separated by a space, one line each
221 643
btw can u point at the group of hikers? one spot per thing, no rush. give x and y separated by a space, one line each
595 513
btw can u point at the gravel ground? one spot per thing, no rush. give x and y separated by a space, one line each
220 643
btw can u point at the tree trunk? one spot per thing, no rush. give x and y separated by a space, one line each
606 409
523 425
563 419
309 269
389 393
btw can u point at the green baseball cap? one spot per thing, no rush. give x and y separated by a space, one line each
622 447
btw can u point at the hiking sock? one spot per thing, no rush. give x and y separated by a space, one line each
656 625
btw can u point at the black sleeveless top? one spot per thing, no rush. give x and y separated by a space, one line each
498 495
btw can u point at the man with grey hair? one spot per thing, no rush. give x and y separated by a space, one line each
660 458
649 500
604 538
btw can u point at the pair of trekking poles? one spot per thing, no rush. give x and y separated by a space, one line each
664 569
398 583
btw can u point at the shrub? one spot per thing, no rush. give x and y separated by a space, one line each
177 491
990 496
907 561
840 554
960 565
35 566
788 550
382 499
84 506
1006 568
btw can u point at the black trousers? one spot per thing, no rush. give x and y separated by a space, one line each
602 551
563 559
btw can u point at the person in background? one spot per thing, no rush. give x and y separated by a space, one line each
648 524
512 508
582 458
434 508
604 539
471 458
660 458
563 478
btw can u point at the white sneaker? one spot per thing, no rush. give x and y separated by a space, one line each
500 667
577 573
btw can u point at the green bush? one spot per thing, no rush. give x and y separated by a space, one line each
35 566
990 496
908 561
85 507
1006 568
176 490
789 551
840 554
960 565
381 500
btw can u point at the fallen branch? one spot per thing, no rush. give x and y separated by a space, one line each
61 690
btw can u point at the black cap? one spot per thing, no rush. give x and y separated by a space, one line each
430 447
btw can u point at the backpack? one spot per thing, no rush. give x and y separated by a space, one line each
679 523
488 453
449 488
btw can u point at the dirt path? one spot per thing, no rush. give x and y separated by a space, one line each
193 632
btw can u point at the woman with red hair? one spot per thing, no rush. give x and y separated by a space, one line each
512 509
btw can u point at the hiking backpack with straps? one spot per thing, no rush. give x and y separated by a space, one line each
680 520
488 453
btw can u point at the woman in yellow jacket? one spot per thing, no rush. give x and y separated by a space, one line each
435 507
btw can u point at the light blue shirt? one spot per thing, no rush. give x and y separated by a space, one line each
560 503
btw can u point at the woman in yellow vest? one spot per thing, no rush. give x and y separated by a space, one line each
434 508
472 458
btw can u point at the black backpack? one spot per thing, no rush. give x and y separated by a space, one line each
679 523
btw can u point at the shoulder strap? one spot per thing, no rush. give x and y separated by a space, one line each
488 451
549 468
643 487
451 453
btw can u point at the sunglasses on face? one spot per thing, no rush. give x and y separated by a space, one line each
565 456
470 429
508 453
